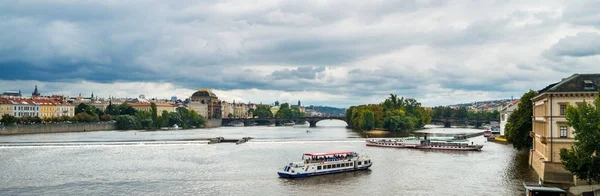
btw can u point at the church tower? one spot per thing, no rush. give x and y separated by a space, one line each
35 93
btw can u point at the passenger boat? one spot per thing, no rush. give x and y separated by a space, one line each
417 143
487 133
313 164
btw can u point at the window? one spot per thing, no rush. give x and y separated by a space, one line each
359 163
318 167
563 109
588 85
563 131
328 166
365 162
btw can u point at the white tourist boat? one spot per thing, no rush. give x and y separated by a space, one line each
313 164
425 143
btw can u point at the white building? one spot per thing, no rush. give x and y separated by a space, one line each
65 110
25 107
505 113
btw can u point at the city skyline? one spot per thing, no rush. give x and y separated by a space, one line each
334 53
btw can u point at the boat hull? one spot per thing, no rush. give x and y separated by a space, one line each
304 175
470 148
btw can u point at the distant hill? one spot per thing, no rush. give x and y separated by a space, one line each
329 111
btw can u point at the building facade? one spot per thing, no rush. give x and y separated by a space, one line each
160 107
550 131
47 107
5 107
206 103
25 108
65 109
505 113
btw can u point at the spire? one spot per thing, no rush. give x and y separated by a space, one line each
298 103
35 92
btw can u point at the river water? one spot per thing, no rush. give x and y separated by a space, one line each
176 163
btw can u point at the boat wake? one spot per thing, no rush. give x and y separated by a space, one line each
304 141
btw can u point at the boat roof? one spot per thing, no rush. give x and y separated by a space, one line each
327 153
544 189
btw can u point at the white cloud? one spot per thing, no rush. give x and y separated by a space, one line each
327 52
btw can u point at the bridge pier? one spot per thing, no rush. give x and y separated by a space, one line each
312 123
447 124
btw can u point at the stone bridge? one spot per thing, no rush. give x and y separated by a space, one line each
312 120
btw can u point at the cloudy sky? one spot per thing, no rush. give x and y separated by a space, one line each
336 53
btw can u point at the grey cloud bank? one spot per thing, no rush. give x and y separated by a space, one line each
334 52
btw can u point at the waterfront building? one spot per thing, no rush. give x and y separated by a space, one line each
25 107
160 107
227 108
65 109
5 107
47 107
241 110
206 103
550 130
505 113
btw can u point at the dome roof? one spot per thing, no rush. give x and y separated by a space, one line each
204 93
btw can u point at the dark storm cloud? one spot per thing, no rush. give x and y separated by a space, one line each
332 46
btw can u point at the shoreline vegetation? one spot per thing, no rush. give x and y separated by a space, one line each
392 115
377 132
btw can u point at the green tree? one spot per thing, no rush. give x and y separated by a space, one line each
85 108
106 117
582 159
263 111
519 123
127 122
126 109
8 119
163 120
154 113
195 119
367 120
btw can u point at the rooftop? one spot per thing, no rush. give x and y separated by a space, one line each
575 83
204 93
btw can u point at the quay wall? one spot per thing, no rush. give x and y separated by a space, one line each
56 128
213 123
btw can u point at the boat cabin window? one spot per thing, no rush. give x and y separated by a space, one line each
328 166
347 164
318 167
339 165
359 163
351 164
365 162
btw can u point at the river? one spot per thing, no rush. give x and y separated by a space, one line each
176 163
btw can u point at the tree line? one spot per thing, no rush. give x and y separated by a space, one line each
393 114
126 117
286 111
461 113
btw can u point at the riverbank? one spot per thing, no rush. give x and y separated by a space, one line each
377 132
57 128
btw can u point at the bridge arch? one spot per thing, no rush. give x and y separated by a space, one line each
312 121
